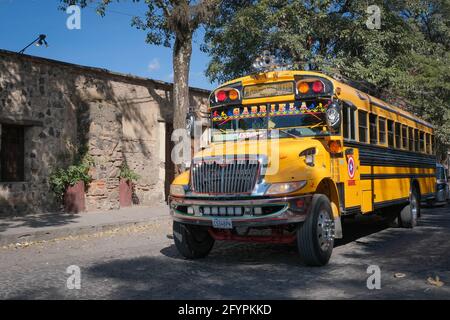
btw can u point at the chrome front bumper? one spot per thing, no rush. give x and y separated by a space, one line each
292 210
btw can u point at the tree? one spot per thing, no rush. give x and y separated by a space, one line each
424 73
317 35
170 23
406 61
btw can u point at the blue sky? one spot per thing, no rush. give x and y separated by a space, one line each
108 42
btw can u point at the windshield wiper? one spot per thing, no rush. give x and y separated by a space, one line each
290 133
222 131
322 123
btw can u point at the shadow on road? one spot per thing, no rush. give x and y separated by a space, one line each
353 229
249 271
242 270
432 222
37 220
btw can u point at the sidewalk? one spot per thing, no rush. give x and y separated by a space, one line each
47 226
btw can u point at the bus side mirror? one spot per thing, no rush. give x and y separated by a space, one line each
333 115
190 123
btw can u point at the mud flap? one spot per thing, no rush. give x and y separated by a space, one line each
338 228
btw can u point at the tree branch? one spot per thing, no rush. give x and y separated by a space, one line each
164 7
202 12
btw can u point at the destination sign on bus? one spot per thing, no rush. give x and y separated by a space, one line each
269 90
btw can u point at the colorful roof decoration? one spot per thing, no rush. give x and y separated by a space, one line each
275 109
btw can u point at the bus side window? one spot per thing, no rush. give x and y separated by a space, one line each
362 125
382 130
404 137
428 141
353 117
411 138
373 129
422 141
398 135
390 129
416 140
349 125
432 144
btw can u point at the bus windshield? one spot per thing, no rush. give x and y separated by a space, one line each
288 119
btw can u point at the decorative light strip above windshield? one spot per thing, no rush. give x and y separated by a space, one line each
275 109
268 90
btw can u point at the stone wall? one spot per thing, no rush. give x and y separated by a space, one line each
117 118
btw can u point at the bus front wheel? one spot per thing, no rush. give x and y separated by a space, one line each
192 242
315 236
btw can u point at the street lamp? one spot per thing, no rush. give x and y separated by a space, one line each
39 42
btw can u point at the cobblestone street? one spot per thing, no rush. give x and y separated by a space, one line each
142 262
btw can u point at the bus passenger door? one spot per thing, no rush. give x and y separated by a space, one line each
350 180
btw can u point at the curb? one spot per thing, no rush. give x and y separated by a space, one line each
45 235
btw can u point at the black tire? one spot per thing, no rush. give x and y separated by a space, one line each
410 213
393 216
313 242
192 242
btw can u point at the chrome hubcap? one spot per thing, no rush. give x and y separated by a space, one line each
325 230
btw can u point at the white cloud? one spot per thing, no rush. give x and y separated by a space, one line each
169 77
154 65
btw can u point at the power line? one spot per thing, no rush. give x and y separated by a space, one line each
107 10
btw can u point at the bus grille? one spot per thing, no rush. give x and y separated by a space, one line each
238 176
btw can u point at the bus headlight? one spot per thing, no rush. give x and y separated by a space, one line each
285 187
177 190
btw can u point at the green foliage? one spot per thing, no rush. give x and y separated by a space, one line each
128 174
405 62
60 179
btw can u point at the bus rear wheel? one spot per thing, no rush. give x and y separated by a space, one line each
315 236
410 213
192 242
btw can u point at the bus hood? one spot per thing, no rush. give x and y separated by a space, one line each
284 162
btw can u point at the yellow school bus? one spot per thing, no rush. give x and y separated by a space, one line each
331 149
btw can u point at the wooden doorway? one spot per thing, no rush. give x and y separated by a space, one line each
12 153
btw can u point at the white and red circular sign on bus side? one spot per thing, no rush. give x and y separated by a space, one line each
351 167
